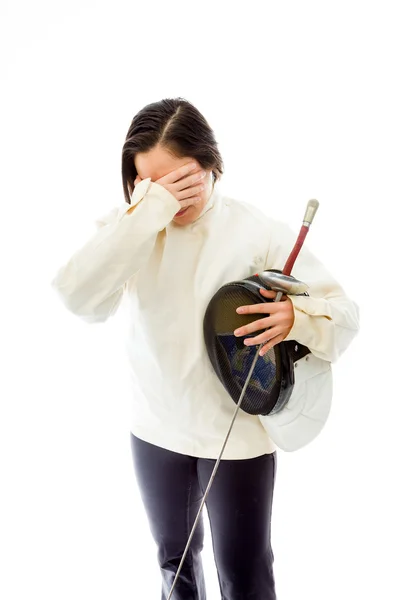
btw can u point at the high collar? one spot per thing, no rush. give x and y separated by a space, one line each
213 199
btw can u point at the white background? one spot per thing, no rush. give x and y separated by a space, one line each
304 101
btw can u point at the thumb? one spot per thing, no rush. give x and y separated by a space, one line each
272 294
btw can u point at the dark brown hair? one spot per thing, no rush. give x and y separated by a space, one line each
176 125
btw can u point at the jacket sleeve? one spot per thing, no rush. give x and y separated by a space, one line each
327 320
91 283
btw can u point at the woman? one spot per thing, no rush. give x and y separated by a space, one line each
166 250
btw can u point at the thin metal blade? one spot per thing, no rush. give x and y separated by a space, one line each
215 468
276 299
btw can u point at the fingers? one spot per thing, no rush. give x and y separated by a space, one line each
189 202
182 184
191 180
255 326
188 194
266 336
271 343
278 314
272 294
186 191
177 174
265 307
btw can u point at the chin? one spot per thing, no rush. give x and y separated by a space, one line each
186 218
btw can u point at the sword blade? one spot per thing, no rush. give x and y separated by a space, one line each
276 299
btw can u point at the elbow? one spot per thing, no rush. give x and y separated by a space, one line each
355 317
324 337
334 342
89 307
78 305
337 333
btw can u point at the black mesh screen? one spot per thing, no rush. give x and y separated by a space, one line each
231 359
272 380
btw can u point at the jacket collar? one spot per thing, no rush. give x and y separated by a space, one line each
214 198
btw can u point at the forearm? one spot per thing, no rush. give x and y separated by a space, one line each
90 284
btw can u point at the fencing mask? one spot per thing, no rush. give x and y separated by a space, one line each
272 379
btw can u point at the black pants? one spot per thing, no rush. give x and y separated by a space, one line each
239 505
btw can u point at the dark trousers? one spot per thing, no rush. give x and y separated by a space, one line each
239 506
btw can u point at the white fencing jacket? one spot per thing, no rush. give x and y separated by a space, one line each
167 274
